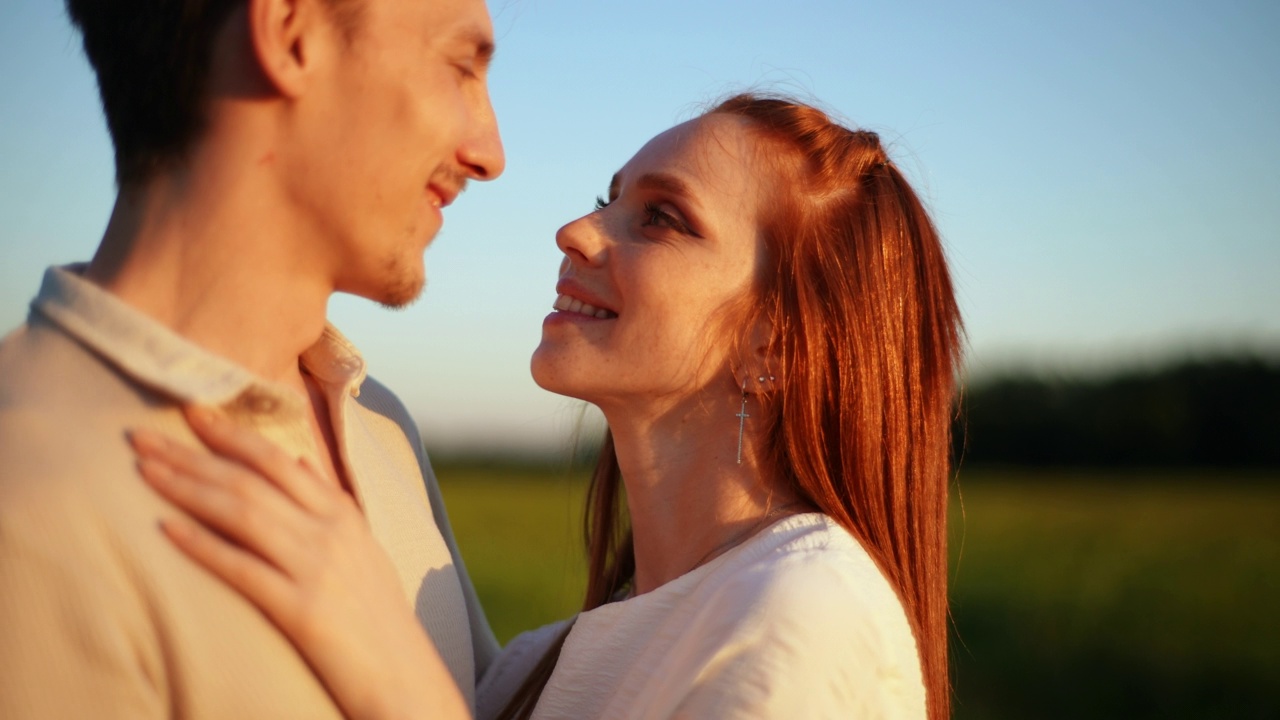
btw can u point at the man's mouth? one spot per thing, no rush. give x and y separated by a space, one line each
565 303
440 197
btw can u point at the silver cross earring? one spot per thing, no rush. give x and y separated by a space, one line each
742 419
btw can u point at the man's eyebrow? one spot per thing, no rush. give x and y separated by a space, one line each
484 47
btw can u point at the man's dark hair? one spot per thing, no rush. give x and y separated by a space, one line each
152 60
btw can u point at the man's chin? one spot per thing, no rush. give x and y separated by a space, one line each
398 284
402 294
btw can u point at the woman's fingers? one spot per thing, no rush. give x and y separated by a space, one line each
299 480
319 575
245 572
149 444
242 508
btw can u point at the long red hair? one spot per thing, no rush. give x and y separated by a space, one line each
867 340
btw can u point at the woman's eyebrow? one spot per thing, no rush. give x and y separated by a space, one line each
664 182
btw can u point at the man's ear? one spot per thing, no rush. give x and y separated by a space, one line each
289 37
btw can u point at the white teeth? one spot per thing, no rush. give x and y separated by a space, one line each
565 303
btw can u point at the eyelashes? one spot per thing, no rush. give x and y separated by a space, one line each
657 217
654 216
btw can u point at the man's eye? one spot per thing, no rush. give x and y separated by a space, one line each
601 203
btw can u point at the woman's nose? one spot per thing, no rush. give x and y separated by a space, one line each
582 241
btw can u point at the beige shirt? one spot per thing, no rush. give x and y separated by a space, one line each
99 615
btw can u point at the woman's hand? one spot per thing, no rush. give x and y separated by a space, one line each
274 530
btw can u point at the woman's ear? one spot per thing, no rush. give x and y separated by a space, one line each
759 364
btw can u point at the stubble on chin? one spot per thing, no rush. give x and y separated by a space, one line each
405 276
403 286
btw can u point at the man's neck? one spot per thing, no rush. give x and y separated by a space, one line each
215 262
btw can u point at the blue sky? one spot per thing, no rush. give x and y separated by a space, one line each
1106 175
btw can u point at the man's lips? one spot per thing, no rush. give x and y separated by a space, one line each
441 196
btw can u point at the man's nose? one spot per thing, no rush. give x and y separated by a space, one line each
481 151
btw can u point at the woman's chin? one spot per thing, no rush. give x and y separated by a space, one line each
550 375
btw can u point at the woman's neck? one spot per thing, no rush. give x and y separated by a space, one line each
689 498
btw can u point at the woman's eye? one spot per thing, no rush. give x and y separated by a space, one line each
601 203
655 216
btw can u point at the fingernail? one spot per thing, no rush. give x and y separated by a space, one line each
145 441
206 415
175 529
201 414
155 470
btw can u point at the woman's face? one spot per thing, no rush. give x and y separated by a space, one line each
648 277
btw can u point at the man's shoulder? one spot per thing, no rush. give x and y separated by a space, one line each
48 455
21 351
42 366
63 416
388 417
72 506
377 398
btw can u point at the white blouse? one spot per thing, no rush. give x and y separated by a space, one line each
797 622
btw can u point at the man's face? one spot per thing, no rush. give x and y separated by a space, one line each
398 120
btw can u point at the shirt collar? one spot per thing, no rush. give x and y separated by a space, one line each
163 360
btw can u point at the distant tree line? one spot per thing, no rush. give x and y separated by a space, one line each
1222 413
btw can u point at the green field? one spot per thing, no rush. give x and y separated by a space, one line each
1080 596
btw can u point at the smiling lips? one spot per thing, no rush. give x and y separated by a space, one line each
565 303
440 197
